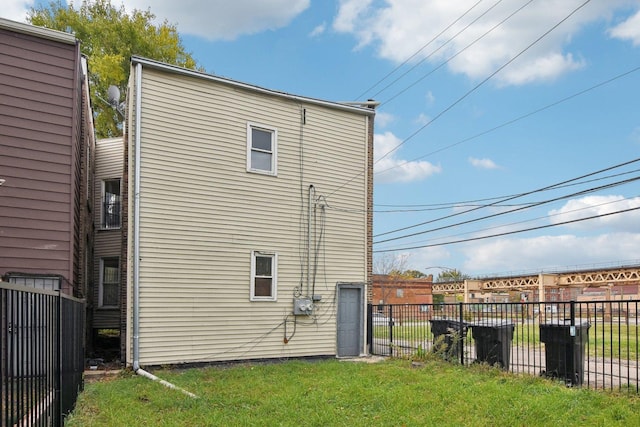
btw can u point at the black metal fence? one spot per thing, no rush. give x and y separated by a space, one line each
593 344
41 355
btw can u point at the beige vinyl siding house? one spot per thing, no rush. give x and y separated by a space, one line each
222 238
105 299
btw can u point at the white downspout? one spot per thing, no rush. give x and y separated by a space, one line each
136 247
136 224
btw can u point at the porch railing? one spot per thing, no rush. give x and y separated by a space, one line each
41 355
593 344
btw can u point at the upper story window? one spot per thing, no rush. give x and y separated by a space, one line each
110 204
262 142
263 276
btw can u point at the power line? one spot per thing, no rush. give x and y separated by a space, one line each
517 119
439 48
553 186
445 62
475 203
476 87
579 193
471 203
524 221
508 232
460 99
420 50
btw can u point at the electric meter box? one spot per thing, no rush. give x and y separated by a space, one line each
302 306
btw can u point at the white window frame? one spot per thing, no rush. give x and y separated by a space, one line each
274 276
101 283
102 212
274 148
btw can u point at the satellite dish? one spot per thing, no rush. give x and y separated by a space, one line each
113 95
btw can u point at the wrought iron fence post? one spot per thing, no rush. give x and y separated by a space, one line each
370 327
58 358
572 313
391 330
461 333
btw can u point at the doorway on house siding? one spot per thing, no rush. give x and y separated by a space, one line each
350 322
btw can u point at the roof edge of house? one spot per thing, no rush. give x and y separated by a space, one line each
364 107
34 30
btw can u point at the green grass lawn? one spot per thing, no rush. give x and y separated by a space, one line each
334 393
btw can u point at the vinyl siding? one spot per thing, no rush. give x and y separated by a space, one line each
202 213
39 111
107 243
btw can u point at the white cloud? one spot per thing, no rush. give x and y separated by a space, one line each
430 98
320 29
544 67
389 168
222 19
431 257
400 28
384 119
16 10
349 13
547 252
596 206
482 163
422 119
628 30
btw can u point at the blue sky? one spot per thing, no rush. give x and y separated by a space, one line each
484 100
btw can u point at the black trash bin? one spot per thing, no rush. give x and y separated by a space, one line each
564 350
492 340
446 336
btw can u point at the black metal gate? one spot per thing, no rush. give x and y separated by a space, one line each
41 355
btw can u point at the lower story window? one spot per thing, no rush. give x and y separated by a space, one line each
109 282
263 276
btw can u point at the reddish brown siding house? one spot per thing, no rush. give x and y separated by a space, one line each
397 290
46 144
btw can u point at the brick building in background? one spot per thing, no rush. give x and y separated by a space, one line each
388 289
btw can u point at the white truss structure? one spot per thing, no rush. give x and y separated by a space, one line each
593 278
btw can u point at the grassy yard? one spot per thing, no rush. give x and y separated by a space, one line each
335 393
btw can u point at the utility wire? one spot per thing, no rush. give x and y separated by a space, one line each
460 99
517 119
441 47
579 193
445 62
553 186
486 79
418 51
472 203
525 221
508 232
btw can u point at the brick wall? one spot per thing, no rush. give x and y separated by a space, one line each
396 290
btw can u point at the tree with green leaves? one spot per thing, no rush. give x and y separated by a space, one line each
413 274
451 275
109 36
